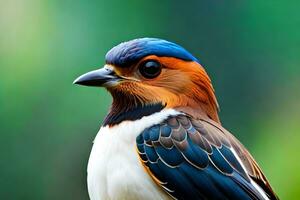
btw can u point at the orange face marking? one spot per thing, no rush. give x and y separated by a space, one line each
181 84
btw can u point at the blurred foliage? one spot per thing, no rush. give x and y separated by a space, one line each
250 49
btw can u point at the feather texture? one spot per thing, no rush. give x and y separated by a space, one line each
198 159
126 53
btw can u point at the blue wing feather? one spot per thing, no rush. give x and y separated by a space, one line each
151 154
191 163
171 157
196 155
220 162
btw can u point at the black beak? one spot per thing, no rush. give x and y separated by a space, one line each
103 77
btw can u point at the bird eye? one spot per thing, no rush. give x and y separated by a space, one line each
150 68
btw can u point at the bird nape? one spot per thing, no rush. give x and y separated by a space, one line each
162 137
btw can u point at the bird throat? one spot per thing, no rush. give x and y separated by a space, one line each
119 113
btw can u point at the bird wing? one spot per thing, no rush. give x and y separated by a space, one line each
198 159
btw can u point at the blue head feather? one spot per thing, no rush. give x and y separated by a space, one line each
127 53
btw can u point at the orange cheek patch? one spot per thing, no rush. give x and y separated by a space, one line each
180 84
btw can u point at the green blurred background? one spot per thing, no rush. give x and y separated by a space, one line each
250 49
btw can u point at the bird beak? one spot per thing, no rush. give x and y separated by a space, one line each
104 77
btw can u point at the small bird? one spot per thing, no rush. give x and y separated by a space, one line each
162 137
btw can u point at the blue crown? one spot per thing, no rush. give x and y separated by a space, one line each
127 53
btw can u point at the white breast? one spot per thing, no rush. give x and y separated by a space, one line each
114 169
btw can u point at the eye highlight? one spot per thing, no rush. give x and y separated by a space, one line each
150 68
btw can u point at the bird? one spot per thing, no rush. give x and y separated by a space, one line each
162 137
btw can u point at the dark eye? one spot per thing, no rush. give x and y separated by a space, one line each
150 68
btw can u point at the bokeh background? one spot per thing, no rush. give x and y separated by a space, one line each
47 125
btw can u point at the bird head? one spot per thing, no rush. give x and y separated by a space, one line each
147 75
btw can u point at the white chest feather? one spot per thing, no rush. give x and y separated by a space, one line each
114 169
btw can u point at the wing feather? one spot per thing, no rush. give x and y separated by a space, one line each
199 159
